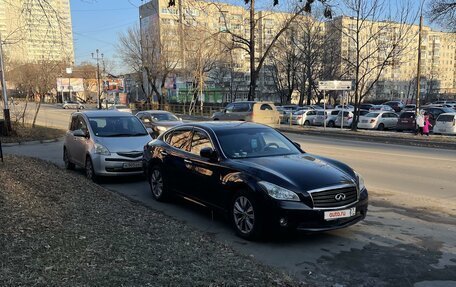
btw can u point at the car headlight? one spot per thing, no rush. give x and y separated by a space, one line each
161 129
278 192
101 149
360 181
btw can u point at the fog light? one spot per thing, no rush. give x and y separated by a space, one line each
283 222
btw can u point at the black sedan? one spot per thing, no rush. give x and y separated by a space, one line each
256 175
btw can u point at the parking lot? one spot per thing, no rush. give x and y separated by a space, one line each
406 239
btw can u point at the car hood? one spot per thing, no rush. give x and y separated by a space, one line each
168 124
124 144
299 173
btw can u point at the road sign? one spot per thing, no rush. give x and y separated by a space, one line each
335 85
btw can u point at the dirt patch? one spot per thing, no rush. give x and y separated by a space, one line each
25 133
58 229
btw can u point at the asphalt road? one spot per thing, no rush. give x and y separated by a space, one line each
397 244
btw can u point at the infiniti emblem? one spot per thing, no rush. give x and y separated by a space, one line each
340 197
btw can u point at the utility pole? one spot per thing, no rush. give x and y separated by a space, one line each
6 112
418 70
98 76
181 33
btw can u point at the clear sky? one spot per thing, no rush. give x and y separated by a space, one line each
97 23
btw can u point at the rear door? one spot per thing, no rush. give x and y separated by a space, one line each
228 115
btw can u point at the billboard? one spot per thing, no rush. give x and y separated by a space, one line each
63 84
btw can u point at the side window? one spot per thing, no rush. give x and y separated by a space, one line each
74 123
266 107
81 124
179 139
229 108
241 107
200 140
311 113
146 119
385 115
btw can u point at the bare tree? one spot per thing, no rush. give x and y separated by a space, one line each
443 12
373 44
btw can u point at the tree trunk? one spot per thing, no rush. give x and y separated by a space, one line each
36 113
253 72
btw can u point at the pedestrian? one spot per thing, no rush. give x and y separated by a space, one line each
419 122
427 125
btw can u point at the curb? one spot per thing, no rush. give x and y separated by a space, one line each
376 139
30 142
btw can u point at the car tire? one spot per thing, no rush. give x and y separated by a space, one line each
157 185
246 216
381 127
90 171
216 119
66 159
330 124
306 123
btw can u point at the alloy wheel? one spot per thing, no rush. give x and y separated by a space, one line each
156 183
244 215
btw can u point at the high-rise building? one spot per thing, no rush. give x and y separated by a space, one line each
36 30
175 28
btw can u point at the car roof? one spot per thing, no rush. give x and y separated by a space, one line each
155 112
221 125
104 113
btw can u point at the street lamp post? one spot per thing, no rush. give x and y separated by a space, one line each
98 75
69 71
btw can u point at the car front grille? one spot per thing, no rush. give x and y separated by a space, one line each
327 198
134 154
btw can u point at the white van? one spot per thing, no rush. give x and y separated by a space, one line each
445 124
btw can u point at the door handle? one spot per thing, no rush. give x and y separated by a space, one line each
163 152
187 161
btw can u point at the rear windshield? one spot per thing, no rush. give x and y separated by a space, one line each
334 113
445 118
407 115
372 115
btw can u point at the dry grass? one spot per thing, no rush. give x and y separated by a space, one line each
58 229
27 133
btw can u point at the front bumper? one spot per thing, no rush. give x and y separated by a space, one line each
116 165
300 216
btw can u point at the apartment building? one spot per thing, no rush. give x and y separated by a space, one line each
160 24
35 31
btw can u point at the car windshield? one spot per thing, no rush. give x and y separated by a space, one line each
371 115
254 142
117 126
164 117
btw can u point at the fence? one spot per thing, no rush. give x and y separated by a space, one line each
205 111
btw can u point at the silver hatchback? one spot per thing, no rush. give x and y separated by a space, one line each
105 143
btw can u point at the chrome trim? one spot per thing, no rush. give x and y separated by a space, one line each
332 187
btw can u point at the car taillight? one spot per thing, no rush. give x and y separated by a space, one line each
372 121
299 117
349 117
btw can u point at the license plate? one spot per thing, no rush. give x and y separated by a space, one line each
132 164
443 130
364 121
331 215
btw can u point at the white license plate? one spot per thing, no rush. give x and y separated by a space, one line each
331 215
132 164
364 121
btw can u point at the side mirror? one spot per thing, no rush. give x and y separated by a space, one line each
209 153
297 145
149 131
80 133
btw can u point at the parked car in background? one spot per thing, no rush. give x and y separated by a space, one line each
303 117
256 176
316 107
331 119
158 121
120 108
72 105
409 108
380 108
442 102
290 108
347 120
259 112
434 112
321 117
378 120
396 105
363 112
283 115
105 143
406 121
365 106
345 107
445 124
